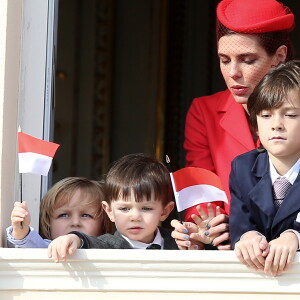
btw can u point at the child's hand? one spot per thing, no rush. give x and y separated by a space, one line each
63 245
281 253
181 234
202 222
249 250
20 214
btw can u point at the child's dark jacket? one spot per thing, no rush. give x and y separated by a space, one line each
116 241
252 204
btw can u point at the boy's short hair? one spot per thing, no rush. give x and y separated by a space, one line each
273 89
138 175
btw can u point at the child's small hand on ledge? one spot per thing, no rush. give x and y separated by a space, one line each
281 254
63 245
250 250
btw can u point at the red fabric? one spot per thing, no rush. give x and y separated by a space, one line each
255 16
190 176
28 143
216 132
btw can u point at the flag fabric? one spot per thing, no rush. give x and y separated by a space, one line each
35 155
193 186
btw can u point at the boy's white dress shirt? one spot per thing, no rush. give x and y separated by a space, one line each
139 245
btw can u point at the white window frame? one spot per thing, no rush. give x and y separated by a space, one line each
26 77
36 86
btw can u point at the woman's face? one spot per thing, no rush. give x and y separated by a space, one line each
243 63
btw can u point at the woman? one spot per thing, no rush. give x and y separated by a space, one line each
252 38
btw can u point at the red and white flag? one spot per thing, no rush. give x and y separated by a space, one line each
35 155
193 186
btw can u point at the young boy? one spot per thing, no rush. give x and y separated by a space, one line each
138 198
73 203
264 215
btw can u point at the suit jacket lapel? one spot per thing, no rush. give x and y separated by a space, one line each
290 204
120 242
234 121
261 194
169 242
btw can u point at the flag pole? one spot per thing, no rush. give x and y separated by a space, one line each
21 195
21 183
21 199
168 162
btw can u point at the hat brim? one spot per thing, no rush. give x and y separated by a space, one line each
272 20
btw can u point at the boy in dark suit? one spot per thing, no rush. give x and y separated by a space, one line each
264 183
138 197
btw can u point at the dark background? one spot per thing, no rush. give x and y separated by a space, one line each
127 71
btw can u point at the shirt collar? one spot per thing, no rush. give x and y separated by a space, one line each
291 175
140 245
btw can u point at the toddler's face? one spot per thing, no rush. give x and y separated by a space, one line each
137 220
77 215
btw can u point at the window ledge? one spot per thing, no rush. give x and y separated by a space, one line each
135 272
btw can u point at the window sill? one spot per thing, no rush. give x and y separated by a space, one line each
136 273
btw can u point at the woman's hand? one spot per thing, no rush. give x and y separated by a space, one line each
212 228
208 229
219 227
202 222
181 234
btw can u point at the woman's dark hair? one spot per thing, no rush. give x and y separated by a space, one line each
274 89
139 176
270 41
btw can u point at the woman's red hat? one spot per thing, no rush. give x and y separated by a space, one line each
255 16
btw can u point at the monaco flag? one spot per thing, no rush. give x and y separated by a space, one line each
193 186
35 155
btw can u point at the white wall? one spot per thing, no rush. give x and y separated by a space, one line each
10 47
